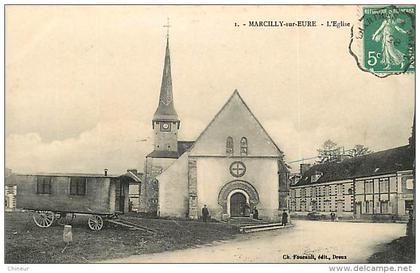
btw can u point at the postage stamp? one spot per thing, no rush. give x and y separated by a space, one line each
386 40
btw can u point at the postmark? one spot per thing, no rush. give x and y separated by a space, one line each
383 41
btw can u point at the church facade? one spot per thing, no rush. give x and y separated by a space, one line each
233 167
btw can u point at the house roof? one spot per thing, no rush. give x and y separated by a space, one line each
136 177
379 163
183 146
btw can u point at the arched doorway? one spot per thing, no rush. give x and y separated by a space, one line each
229 190
238 205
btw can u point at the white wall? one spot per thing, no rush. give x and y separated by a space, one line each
213 173
173 189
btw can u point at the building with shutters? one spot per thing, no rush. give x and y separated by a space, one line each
374 186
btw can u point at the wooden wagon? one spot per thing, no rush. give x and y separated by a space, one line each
60 197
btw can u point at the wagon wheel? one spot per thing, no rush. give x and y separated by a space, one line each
43 219
65 218
95 222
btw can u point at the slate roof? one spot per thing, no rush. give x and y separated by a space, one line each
166 109
183 146
379 163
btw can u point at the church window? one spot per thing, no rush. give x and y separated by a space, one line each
244 146
237 169
229 146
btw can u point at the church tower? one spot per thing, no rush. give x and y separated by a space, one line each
167 148
165 121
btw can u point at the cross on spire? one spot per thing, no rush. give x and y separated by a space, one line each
167 28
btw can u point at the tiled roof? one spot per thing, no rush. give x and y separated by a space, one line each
383 162
183 146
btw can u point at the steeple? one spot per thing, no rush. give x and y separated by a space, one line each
165 121
166 109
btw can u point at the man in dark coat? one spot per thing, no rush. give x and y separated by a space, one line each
205 213
284 218
255 214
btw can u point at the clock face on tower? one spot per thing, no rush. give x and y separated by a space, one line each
165 126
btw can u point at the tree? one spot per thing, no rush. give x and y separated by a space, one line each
329 152
359 150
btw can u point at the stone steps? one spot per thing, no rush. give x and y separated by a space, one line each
262 227
244 221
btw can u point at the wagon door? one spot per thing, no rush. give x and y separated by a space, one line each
119 196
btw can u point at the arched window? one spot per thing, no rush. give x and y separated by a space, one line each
244 146
229 146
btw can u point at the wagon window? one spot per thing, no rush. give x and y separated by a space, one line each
77 186
43 185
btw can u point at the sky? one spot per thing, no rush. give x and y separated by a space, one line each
82 82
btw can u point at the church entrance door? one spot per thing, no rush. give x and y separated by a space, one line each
238 205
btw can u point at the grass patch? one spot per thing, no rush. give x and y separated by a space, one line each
27 243
399 251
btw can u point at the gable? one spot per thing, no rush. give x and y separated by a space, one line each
235 120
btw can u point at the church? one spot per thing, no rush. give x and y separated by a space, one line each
233 167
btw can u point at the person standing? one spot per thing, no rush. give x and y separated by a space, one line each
255 214
205 213
284 217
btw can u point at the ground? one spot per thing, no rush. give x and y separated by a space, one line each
191 241
401 250
27 243
349 242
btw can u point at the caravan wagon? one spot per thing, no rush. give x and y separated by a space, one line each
60 197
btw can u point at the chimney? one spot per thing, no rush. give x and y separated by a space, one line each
304 167
106 172
342 157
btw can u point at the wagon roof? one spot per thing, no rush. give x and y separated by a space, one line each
70 175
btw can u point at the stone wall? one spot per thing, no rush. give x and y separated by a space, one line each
149 191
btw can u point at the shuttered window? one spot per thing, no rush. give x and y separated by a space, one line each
78 186
43 185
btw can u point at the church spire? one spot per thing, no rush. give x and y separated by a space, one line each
166 109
